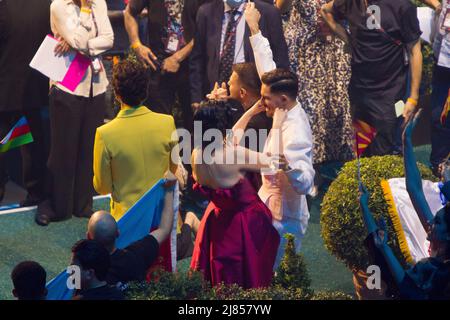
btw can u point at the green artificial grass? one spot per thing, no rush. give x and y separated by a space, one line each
21 239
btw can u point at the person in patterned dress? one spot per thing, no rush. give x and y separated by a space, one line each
323 68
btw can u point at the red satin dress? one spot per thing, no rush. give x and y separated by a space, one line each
236 242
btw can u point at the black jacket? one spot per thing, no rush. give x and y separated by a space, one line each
204 59
23 26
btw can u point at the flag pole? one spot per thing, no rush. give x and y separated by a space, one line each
359 169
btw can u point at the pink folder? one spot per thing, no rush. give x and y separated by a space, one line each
76 71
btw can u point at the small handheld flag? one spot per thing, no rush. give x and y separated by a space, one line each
364 135
446 109
19 135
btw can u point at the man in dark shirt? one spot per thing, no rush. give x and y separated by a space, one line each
94 262
23 91
384 39
171 26
245 87
130 263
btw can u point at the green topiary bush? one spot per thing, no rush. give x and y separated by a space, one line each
292 272
343 229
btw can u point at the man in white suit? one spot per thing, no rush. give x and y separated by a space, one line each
283 191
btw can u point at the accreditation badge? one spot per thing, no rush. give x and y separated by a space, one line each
173 43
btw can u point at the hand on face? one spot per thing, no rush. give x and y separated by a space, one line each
256 108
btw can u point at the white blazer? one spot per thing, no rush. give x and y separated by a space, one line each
293 185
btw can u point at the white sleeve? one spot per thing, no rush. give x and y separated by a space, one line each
263 54
298 152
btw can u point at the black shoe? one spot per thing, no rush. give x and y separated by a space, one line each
42 219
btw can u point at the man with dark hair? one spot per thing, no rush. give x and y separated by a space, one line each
29 279
222 40
93 260
385 40
284 192
244 87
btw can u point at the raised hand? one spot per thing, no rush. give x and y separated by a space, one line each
252 17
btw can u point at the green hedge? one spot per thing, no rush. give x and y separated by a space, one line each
343 229
291 283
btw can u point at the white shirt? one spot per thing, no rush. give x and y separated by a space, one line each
239 55
296 138
263 54
297 142
84 35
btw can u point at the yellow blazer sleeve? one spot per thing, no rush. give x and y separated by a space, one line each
102 166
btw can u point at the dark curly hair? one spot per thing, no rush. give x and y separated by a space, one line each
215 115
130 80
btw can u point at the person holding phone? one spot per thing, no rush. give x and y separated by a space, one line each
83 26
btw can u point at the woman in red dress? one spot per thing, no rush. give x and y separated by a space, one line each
236 242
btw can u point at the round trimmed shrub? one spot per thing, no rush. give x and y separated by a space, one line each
343 229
